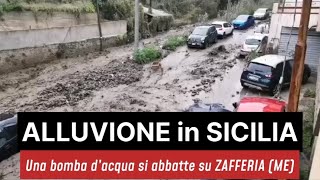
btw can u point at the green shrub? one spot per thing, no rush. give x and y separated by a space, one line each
75 7
147 55
174 42
7 7
304 174
310 93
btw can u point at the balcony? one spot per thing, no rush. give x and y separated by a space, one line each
288 7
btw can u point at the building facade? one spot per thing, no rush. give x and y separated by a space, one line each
284 29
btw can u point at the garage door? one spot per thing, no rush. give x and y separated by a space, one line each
313 46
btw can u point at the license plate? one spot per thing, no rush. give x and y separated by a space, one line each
253 78
193 44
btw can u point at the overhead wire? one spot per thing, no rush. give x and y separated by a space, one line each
280 85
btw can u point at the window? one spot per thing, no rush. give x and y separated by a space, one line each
253 42
255 67
11 131
288 67
209 31
291 62
200 31
242 18
217 25
2 141
226 25
279 69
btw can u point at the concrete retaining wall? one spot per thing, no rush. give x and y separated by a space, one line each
25 20
40 37
13 60
27 48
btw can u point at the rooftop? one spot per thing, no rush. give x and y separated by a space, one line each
219 22
155 12
204 26
271 60
260 104
257 36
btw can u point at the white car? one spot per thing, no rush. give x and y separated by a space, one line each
224 28
257 42
261 14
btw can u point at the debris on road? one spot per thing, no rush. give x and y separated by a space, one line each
81 84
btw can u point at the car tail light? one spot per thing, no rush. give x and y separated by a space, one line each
269 75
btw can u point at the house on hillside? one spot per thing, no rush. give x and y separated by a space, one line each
282 21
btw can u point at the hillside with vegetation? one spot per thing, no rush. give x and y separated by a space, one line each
69 6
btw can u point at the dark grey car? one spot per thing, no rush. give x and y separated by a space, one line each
203 36
199 107
8 137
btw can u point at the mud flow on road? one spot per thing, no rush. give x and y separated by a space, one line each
111 81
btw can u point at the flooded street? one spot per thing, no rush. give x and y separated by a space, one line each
111 81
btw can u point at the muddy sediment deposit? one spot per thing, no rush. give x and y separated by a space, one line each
82 84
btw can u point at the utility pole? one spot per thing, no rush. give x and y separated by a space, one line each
137 24
99 24
150 6
300 55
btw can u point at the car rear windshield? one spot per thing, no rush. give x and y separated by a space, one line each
217 25
253 42
261 11
200 31
260 68
242 18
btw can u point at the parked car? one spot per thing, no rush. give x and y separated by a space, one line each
257 42
243 22
203 36
264 73
261 13
224 28
262 29
8 138
260 104
199 107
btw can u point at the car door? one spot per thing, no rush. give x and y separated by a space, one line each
210 35
226 28
251 20
287 73
277 73
215 33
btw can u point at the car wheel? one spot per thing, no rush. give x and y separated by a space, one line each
206 44
274 90
231 33
215 39
224 36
